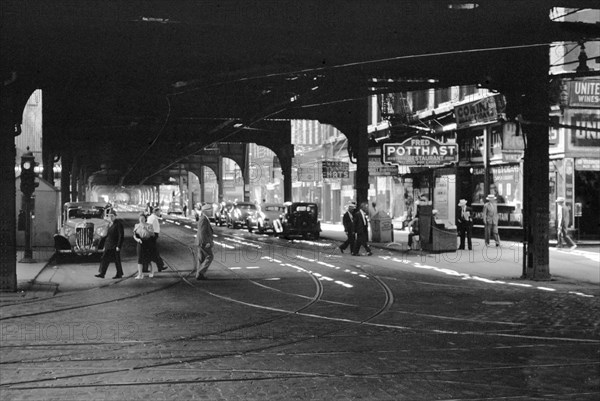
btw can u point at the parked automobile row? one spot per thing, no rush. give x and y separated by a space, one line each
290 219
84 225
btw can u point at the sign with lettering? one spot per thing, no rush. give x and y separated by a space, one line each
418 151
377 168
584 137
308 174
482 111
510 138
335 169
585 93
587 164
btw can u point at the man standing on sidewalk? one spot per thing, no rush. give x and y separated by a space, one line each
112 246
348 221
155 255
204 244
562 222
490 220
464 222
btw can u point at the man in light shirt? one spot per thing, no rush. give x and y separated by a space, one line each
562 222
153 219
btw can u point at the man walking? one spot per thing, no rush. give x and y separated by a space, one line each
490 220
155 255
348 221
112 246
361 228
204 244
562 222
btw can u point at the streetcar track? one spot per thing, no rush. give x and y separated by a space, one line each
389 299
318 295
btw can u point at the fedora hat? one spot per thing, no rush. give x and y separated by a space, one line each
560 199
462 202
490 197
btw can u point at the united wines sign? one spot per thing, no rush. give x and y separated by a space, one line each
420 151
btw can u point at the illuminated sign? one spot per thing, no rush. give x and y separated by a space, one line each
418 151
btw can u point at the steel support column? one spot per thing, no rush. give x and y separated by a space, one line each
8 220
65 177
535 106
361 139
285 155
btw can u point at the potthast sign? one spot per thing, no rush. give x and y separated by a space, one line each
419 151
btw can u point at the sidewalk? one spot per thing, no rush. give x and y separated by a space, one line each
27 273
581 264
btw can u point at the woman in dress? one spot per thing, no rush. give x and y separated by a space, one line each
142 234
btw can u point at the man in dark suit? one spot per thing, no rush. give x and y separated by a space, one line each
464 223
204 244
112 246
361 228
348 221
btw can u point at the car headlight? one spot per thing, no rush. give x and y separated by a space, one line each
101 231
68 230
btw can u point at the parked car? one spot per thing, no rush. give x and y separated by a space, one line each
267 218
222 213
300 219
83 230
238 216
174 208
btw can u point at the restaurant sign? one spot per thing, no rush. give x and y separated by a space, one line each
419 151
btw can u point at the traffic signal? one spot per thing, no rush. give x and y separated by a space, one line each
28 175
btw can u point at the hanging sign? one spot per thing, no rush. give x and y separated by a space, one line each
418 151
584 93
335 169
478 112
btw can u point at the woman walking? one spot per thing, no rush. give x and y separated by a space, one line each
143 235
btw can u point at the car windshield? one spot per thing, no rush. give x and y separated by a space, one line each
246 207
79 213
274 209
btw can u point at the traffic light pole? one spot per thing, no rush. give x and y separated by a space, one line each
28 251
28 186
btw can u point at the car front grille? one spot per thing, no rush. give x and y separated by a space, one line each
84 236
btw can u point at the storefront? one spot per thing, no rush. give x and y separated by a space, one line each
491 153
575 158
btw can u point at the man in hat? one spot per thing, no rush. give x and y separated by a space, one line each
348 221
204 243
361 228
112 246
562 222
464 223
490 220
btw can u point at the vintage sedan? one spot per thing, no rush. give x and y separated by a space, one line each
84 228
300 219
267 218
238 217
